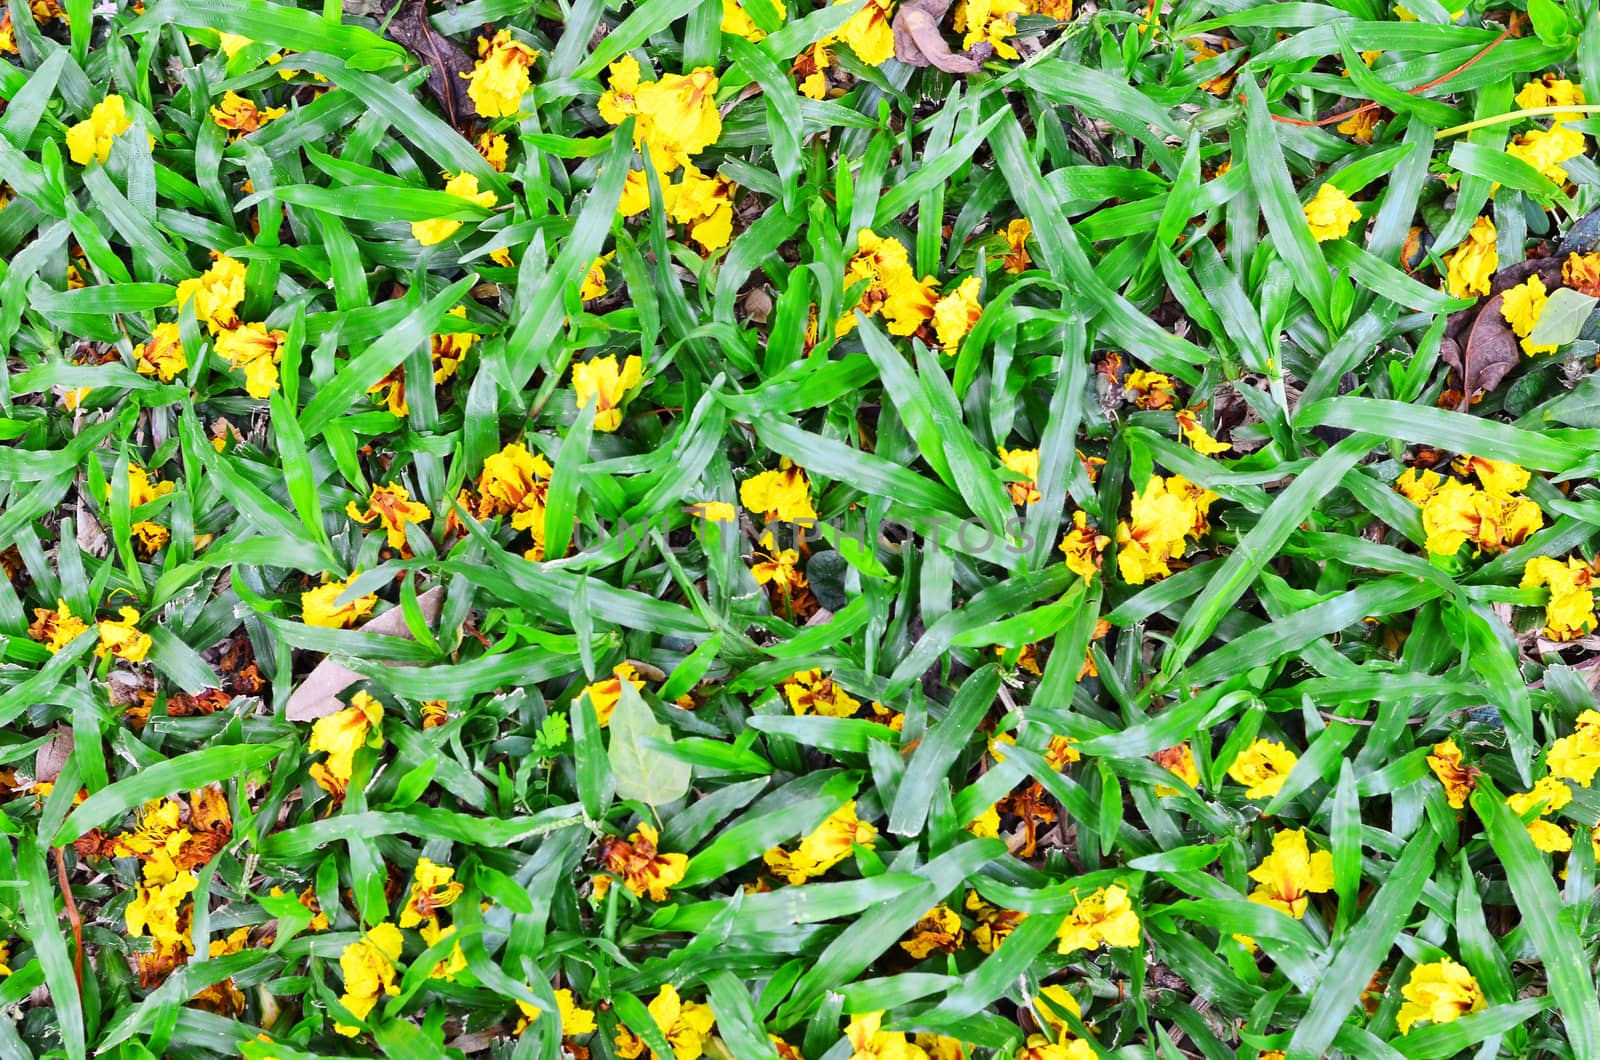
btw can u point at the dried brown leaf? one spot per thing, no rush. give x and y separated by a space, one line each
1485 354
447 63
918 42
317 696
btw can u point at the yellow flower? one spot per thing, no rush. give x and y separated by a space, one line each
604 695
1016 235
1049 1000
785 1050
1330 214
737 21
1418 484
500 77
341 734
1195 433
8 34
893 290
435 712
1549 836
1458 512
939 930
391 391
163 355
601 381
809 692
1549 91
1150 390
231 43
1569 613
1039 1047
1159 519
810 69
257 350
1457 777
1471 265
995 925
157 906
119 637
957 312
1441 992
368 966
575 1020
321 606
780 569
685 1024
1179 761
1581 272
831 842
869 32
1360 126
141 490
636 193
675 118
1262 768
1222 83
1545 150
1577 757
938 1047
433 887
1024 462
1061 752
241 115
158 836
702 204
1083 547
149 538
393 507
224 998
432 933
1291 874
594 281
783 495
716 511
986 825
437 230
1521 306
990 22
511 485
1549 795
641 864
868 1041
217 293
449 350
90 139
1496 476
493 147
1106 916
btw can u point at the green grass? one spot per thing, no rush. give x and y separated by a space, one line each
311 774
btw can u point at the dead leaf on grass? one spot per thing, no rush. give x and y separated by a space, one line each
918 42
1485 354
317 696
447 63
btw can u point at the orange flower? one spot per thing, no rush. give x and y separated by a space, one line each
641 865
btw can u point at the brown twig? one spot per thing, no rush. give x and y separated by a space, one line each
72 916
1345 115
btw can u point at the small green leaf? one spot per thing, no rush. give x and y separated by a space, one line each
641 769
1562 318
